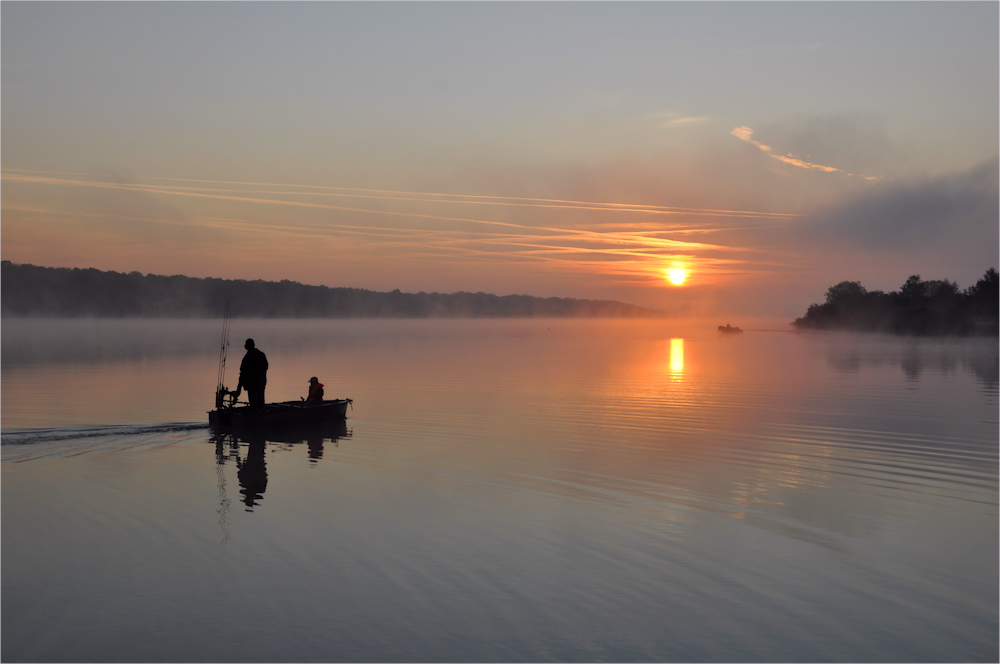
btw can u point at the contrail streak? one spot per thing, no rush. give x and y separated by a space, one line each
468 199
323 206
618 243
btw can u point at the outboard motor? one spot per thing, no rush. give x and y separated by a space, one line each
220 398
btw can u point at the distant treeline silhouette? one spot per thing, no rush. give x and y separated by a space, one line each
33 291
919 308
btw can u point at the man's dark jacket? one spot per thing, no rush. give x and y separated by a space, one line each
253 370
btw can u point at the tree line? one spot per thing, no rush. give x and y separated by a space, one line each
33 291
918 308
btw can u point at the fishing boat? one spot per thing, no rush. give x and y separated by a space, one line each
232 413
728 330
281 414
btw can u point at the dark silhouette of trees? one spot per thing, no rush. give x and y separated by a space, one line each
919 308
983 296
29 290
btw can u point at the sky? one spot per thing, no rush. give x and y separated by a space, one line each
766 150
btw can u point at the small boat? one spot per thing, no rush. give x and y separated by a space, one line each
281 414
729 330
230 413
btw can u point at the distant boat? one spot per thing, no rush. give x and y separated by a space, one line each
282 414
729 330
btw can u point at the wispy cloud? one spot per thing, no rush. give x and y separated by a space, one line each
686 120
609 240
672 120
746 134
252 192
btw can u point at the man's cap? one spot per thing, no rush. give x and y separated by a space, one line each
314 379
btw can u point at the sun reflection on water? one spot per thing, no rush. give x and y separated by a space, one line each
676 358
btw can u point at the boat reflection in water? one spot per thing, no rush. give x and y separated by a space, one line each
247 449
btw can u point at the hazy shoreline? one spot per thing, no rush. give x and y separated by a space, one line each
31 291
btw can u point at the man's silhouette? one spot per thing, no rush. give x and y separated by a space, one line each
253 375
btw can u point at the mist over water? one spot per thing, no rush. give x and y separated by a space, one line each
504 490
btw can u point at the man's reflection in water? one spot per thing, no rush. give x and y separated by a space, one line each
252 471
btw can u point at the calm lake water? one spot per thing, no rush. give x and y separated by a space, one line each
530 490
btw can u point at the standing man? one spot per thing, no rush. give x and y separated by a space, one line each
253 375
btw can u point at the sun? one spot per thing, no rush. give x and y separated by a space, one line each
676 275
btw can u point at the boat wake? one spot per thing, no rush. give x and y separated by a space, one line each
19 445
55 434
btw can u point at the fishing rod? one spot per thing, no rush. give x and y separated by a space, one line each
220 388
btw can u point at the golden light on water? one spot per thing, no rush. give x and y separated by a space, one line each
676 356
676 275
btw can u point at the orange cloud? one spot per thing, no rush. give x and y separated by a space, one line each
746 134
405 226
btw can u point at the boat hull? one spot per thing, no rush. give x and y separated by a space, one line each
283 414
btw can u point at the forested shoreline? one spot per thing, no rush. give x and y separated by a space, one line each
920 307
34 291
